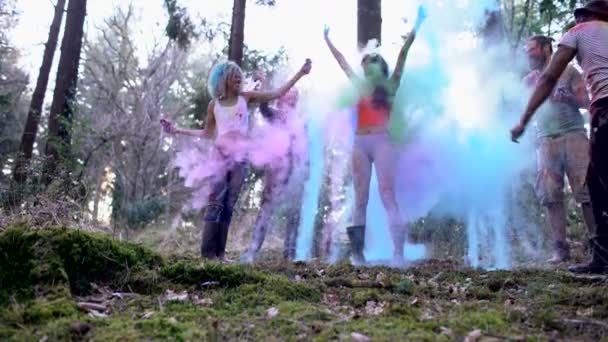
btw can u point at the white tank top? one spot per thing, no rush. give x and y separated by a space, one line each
233 118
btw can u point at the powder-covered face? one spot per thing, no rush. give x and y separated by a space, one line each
372 66
233 83
536 56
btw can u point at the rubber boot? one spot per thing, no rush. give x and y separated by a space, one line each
211 231
599 259
222 238
356 235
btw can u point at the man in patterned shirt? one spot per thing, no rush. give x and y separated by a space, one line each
588 42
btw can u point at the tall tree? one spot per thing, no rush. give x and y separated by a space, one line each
60 116
13 87
237 32
369 21
33 116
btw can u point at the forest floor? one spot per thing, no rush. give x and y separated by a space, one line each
63 284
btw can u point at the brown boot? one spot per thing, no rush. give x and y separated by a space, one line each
356 235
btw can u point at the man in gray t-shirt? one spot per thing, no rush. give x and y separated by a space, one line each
563 145
588 42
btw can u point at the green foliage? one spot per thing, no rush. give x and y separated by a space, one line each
179 26
47 259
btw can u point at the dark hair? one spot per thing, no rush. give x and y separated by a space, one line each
543 41
376 58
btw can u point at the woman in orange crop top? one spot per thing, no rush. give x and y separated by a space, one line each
372 143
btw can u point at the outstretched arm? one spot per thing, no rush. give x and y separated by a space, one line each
338 56
409 40
267 96
206 132
544 87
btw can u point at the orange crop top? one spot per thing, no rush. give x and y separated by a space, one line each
370 115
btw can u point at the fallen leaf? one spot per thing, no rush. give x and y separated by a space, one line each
426 315
446 331
209 283
148 315
374 309
172 296
363 276
473 336
203 301
359 337
272 312
91 306
584 312
97 314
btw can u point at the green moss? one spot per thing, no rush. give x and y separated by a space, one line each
193 273
405 286
361 297
41 271
49 258
38 311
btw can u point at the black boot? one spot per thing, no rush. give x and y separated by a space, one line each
356 235
599 259
222 238
209 242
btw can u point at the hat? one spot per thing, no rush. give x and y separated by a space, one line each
595 7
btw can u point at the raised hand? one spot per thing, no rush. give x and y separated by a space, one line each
168 127
305 70
422 14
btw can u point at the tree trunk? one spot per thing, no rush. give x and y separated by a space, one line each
99 178
237 32
60 118
33 116
369 21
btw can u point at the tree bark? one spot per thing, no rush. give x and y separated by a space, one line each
369 21
60 118
33 116
237 32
